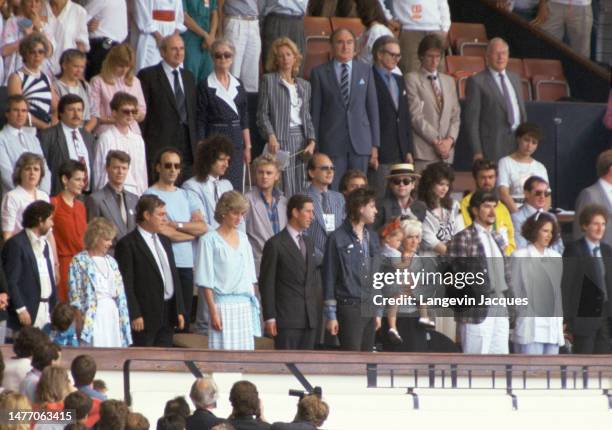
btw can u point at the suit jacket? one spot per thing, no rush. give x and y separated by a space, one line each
395 129
595 194
299 425
23 279
258 225
54 146
428 122
274 107
583 299
468 255
486 117
104 203
317 227
162 124
389 208
143 281
202 419
287 283
338 127
248 423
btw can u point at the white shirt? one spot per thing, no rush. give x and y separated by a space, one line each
295 119
76 149
14 204
421 15
227 95
38 245
513 174
294 235
488 242
170 75
150 239
112 15
593 245
513 97
68 28
132 143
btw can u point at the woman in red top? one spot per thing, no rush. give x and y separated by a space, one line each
69 219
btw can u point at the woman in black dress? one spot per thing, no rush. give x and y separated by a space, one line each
222 109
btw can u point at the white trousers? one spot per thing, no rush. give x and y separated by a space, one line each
489 337
244 35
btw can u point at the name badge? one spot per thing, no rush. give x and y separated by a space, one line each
330 222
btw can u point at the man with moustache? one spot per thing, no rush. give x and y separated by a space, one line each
478 249
68 140
287 281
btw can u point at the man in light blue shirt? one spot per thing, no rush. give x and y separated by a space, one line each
14 141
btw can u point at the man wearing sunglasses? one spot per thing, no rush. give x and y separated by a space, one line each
124 108
537 197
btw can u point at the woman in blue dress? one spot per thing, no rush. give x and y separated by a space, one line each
201 19
226 269
222 109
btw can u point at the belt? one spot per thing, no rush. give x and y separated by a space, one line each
242 17
44 300
106 42
163 15
285 16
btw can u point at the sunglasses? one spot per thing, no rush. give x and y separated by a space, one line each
546 193
400 181
223 55
327 168
168 166
129 111
38 51
393 55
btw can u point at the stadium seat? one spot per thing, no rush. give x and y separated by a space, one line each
516 65
312 60
459 63
317 31
353 24
461 78
547 79
468 39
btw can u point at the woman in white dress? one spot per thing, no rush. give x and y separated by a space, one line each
536 276
96 290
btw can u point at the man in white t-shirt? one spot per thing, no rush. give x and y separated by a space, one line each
517 167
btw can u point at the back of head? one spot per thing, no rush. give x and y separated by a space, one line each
44 354
79 402
113 415
171 422
53 386
204 392
177 406
83 369
62 316
313 410
27 338
136 421
244 399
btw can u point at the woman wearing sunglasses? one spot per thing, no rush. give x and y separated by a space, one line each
398 200
222 109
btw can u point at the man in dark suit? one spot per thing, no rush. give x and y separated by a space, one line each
204 395
587 284
26 258
170 95
494 105
345 108
113 202
68 141
150 278
395 130
287 280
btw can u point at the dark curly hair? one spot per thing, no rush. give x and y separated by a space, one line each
27 338
432 175
208 151
534 224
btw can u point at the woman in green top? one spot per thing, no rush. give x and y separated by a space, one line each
201 19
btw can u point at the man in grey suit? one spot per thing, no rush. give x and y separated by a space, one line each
68 141
113 202
345 108
494 105
599 193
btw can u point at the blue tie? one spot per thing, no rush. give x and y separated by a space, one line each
344 83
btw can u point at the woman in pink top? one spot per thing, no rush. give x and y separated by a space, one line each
117 74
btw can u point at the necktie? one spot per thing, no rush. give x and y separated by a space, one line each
302 245
392 85
344 83
75 142
325 202
45 246
122 210
22 139
436 90
216 185
167 273
507 99
179 96
600 272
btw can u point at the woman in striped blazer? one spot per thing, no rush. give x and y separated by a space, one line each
283 115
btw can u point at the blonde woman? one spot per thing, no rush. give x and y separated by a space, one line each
283 115
12 401
53 387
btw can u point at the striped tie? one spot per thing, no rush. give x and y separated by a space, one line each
344 83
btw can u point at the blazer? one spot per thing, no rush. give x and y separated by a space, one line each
428 122
486 117
202 419
274 108
389 208
258 225
162 124
104 203
395 129
584 308
23 279
296 425
317 227
339 127
588 196
143 282
467 254
287 283
54 146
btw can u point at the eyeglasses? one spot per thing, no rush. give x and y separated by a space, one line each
546 193
393 54
400 181
326 168
168 166
38 51
129 111
223 55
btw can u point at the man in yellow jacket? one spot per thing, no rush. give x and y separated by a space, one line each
485 176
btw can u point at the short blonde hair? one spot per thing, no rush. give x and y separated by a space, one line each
54 385
411 227
271 61
97 228
264 160
12 401
230 201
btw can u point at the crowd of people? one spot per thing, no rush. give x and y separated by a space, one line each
126 184
34 380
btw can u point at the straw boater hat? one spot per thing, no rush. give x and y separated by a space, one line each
402 169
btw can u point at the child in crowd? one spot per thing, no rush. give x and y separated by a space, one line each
62 330
391 236
100 386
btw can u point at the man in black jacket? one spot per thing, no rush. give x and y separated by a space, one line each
204 394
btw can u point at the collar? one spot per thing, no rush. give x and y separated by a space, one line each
293 232
275 194
169 69
12 130
427 73
144 233
316 190
592 245
383 72
480 229
495 73
338 63
34 238
605 185
67 129
530 210
213 82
